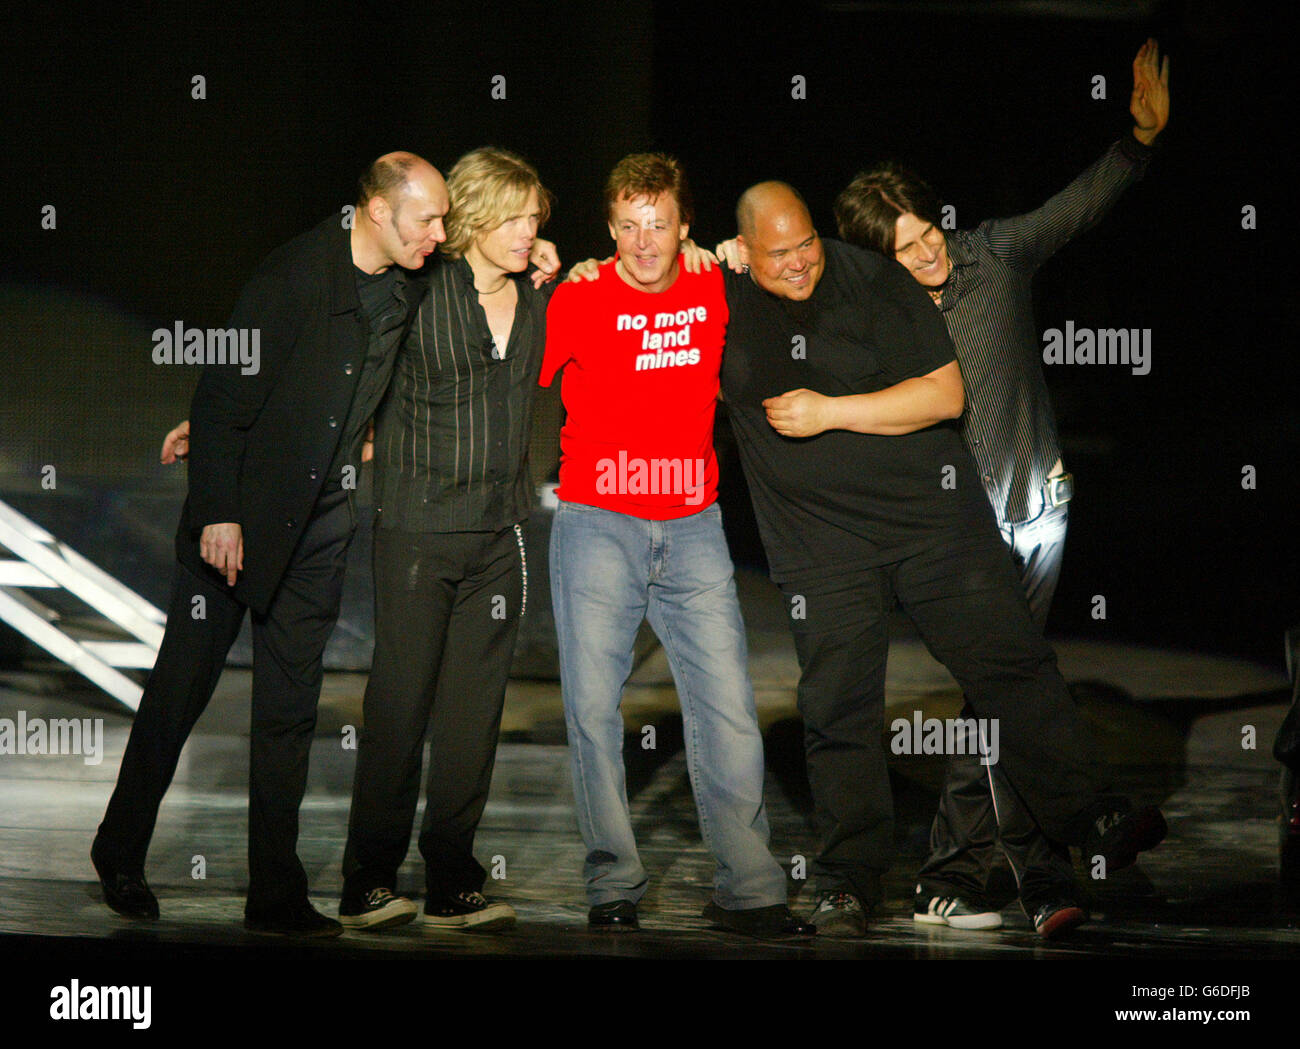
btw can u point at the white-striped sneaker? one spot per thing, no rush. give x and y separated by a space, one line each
953 911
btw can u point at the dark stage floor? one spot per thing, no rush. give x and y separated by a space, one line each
1172 723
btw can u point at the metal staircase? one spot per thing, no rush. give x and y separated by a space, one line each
41 562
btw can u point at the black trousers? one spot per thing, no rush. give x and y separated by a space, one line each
288 645
978 810
962 594
447 609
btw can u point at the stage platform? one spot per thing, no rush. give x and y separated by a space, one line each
1176 727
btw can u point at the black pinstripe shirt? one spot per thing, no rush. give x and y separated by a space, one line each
451 439
1008 425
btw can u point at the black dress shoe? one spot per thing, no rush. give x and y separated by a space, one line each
128 894
773 921
1120 836
299 919
618 916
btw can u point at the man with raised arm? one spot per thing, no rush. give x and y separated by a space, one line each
980 280
841 384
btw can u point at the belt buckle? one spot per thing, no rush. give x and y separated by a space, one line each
1059 490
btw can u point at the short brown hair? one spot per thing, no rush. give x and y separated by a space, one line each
867 210
649 175
488 186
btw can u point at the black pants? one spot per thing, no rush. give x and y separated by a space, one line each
966 602
978 811
447 611
288 645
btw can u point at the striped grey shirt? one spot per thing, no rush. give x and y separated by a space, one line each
1008 426
451 439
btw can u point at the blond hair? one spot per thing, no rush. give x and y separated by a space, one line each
488 186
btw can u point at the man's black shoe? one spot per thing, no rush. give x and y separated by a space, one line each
617 916
773 921
1118 837
299 919
128 894
841 915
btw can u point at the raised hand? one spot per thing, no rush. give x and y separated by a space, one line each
1149 103
696 258
729 252
176 445
546 259
587 269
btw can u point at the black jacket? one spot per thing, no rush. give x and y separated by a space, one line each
261 443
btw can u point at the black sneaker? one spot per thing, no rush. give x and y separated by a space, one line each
466 910
1118 837
380 909
1057 918
954 911
298 919
840 915
773 921
128 894
615 916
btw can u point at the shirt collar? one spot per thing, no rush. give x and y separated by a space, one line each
965 271
465 273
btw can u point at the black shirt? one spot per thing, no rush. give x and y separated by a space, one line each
843 500
383 298
451 439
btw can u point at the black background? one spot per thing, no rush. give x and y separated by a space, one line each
165 203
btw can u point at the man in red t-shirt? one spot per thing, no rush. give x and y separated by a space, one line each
637 535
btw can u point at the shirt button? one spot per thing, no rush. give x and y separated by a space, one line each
988 478
333 423
313 475
290 523
347 368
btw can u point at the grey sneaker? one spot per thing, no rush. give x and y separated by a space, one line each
840 915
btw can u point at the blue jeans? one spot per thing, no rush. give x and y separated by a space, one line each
609 571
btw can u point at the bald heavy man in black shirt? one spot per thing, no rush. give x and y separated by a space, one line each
842 385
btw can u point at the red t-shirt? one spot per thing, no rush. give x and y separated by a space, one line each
640 389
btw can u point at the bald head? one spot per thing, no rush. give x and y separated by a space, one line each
387 175
767 199
778 241
401 202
